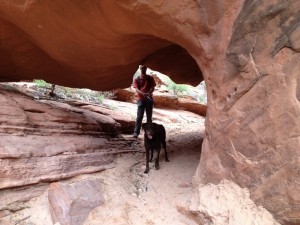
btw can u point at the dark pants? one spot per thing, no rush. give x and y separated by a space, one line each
142 105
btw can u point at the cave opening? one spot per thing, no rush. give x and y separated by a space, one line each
75 124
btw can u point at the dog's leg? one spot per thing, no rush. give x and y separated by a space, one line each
157 159
147 160
165 148
163 142
151 157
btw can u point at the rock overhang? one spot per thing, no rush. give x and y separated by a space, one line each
96 45
248 52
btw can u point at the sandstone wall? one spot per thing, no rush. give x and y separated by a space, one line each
247 52
253 122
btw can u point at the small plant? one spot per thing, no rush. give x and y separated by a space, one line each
81 94
69 92
107 94
202 99
100 98
41 84
177 88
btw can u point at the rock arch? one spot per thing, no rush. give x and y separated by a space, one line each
247 52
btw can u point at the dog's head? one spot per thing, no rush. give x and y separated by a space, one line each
149 129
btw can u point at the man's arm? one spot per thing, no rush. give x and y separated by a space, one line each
153 84
136 86
151 90
139 91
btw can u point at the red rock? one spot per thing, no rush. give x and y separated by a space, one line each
247 51
70 203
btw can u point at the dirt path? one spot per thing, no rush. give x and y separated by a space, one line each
135 198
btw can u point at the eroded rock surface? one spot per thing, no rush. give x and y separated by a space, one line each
228 203
71 203
253 123
45 141
247 51
90 48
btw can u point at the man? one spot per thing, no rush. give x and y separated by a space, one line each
144 85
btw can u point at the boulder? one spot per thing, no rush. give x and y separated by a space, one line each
70 203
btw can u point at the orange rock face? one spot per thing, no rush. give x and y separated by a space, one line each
247 52
95 44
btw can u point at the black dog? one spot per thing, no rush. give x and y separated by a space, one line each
154 137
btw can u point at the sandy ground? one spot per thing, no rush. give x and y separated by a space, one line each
132 197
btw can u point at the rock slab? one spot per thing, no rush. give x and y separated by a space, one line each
70 203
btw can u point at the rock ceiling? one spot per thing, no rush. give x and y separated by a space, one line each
247 52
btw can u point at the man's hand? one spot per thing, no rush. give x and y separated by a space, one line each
139 92
148 94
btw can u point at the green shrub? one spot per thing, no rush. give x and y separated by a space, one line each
100 98
202 99
41 84
177 88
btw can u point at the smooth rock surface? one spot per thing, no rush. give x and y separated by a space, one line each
71 203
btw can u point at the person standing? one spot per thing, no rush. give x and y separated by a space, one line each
144 85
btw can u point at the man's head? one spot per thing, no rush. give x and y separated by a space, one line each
143 69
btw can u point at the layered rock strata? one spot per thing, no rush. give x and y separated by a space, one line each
247 52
